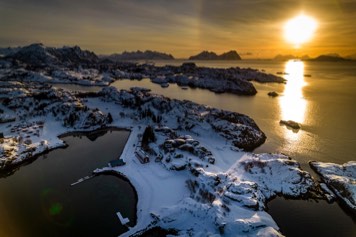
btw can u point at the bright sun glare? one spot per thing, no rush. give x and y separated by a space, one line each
299 29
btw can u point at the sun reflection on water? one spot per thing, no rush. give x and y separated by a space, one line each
292 104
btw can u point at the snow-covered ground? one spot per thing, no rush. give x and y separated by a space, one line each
341 179
198 180
37 63
204 199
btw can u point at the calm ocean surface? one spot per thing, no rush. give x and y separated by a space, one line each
324 103
37 200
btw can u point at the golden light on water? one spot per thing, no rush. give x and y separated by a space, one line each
299 29
292 104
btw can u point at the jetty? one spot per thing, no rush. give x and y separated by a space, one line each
123 220
82 179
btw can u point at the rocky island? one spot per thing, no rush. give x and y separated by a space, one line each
206 55
138 55
197 149
71 65
341 179
203 152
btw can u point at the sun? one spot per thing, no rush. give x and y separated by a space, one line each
299 29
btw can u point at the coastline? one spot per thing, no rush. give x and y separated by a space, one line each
130 122
10 169
123 177
154 202
142 178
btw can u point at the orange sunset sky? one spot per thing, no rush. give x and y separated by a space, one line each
252 27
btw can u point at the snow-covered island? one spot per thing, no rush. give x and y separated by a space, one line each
72 65
341 179
192 176
190 164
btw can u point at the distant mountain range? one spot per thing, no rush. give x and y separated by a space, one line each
139 55
320 58
329 58
8 51
352 56
206 55
37 54
286 57
40 55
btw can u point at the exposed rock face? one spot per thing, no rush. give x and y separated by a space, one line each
8 51
233 80
40 55
61 104
239 129
287 57
329 58
272 94
231 55
206 55
41 64
290 123
139 55
216 198
341 179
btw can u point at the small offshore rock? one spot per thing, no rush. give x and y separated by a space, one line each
273 94
290 123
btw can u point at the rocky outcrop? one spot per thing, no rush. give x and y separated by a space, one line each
341 179
290 123
237 128
272 94
281 57
139 55
8 51
40 55
231 55
206 55
240 129
71 65
329 58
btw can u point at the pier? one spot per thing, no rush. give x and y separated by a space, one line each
82 179
123 221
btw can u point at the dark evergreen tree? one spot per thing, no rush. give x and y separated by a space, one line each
148 136
109 118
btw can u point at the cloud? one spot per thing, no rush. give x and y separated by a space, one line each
180 26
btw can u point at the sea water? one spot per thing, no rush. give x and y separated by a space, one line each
38 200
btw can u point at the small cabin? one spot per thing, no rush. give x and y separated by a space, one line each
169 143
115 163
142 156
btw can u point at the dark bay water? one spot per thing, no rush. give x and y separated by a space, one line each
38 200
309 218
